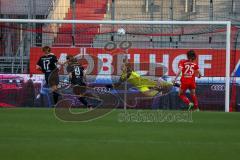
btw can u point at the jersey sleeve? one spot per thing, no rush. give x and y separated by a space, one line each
181 64
55 60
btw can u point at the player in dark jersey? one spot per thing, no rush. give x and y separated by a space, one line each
77 78
76 72
48 65
188 68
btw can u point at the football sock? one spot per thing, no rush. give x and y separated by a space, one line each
55 97
184 99
195 101
83 100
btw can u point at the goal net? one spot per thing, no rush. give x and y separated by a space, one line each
153 48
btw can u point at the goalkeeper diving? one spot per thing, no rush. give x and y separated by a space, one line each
146 86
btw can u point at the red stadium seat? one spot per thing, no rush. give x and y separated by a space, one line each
85 10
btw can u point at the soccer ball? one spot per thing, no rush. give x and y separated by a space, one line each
121 31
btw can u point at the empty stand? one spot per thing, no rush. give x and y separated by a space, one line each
84 33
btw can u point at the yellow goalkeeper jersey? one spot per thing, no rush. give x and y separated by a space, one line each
141 83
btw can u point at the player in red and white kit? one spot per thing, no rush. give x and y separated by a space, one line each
189 70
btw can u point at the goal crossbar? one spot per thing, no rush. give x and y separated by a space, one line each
114 22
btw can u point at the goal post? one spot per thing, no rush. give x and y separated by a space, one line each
224 24
228 62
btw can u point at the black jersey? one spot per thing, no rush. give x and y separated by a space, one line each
48 63
77 74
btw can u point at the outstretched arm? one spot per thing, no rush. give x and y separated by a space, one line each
177 75
199 73
38 67
126 72
84 76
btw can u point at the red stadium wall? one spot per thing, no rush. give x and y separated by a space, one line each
211 61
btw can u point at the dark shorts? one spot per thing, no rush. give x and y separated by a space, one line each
52 78
78 82
73 90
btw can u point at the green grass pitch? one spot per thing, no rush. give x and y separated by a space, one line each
27 134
